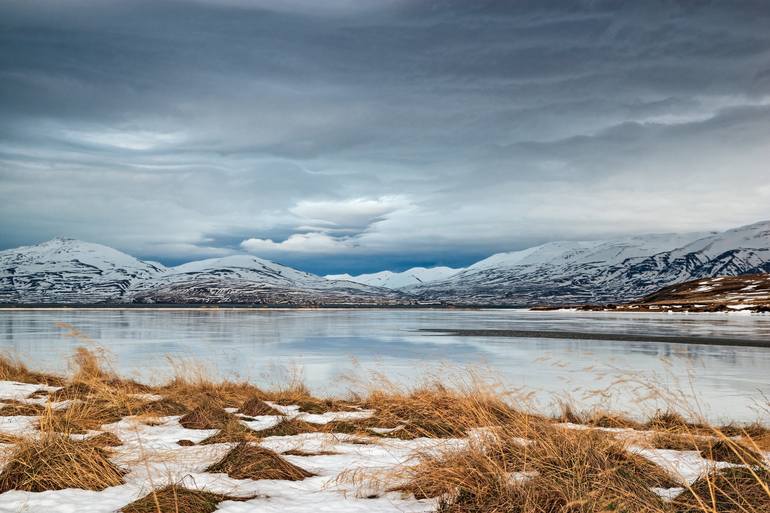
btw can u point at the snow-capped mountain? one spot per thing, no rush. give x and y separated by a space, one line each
69 271
393 280
247 279
571 272
603 271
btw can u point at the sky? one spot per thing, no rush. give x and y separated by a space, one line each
360 135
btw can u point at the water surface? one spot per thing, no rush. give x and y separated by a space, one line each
330 346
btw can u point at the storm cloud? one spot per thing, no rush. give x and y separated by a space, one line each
358 135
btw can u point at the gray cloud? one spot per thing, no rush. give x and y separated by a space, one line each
385 132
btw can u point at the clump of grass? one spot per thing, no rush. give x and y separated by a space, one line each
72 391
232 432
673 422
56 462
598 418
561 470
206 417
177 499
301 452
194 389
163 408
84 415
727 490
436 411
255 407
13 408
246 461
352 427
12 369
5 438
730 451
761 443
753 430
289 427
104 439
674 441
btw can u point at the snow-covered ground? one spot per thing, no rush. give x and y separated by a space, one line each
351 473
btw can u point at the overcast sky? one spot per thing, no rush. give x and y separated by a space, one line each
359 135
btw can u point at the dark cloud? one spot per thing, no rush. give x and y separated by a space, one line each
378 133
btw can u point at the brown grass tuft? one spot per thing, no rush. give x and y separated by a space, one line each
232 432
56 462
162 408
255 407
730 451
436 411
247 461
81 416
206 417
301 452
728 490
289 427
12 408
176 499
104 439
672 421
675 441
561 470
12 369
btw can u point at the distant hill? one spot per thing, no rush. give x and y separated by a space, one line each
399 280
748 292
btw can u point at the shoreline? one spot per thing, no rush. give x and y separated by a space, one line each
611 337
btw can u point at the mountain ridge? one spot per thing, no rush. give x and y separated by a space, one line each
69 271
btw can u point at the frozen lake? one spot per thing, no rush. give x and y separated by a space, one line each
334 349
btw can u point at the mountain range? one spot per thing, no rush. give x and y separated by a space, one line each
68 271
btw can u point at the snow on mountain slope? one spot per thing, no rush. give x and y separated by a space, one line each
247 279
69 271
391 280
602 271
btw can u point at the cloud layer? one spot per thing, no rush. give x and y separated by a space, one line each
354 136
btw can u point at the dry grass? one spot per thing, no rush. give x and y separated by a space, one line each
255 407
12 408
247 461
675 441
289 427
88 414
561 471
56 462
162 408
730 451
177 499
436 411
12 369
728 490
301 452
194 389
105 439
232 432
206 417
671 421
